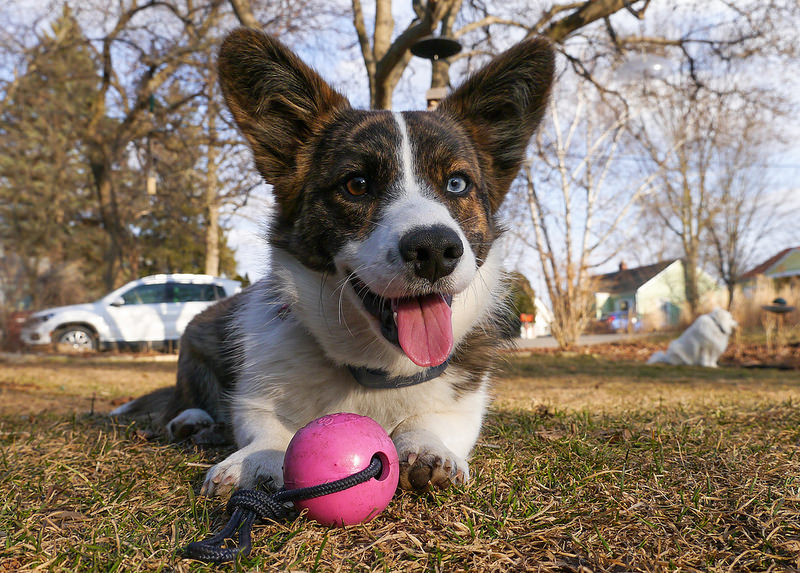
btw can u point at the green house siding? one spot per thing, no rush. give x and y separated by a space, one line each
788 266
659 299
606 303
663 295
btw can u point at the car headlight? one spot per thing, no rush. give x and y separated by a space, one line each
39 318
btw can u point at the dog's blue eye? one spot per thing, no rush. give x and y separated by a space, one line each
457 185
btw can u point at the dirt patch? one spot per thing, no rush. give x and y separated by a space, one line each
52 385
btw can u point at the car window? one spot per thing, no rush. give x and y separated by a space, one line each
146 294
182 292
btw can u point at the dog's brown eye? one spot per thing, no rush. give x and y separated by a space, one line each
356 186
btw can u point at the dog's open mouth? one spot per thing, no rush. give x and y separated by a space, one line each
420 325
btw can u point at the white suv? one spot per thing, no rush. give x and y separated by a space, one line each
150 310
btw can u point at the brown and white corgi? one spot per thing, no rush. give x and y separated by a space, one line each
385 294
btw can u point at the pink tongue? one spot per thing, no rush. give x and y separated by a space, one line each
424 329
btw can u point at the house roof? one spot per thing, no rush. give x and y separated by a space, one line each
768 264
629 280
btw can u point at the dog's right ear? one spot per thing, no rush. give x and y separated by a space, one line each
278 102
502 104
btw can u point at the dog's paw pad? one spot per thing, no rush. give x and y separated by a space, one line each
222 479
420 471
245 470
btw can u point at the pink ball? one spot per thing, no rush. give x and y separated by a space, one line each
334 447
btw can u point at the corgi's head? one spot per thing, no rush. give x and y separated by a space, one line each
398 207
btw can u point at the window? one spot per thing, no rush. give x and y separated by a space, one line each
146 294
182 292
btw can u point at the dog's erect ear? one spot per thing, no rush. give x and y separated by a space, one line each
502 105
276 99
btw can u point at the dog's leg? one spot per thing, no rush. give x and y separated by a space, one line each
433 449
263 440
708 357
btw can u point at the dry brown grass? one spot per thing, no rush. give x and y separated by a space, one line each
584 464
748 303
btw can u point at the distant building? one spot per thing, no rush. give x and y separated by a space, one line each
780 267
654 293
538 324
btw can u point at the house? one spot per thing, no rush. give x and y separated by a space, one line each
655 293
783 266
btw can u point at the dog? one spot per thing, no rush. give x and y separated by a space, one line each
702 343
386 295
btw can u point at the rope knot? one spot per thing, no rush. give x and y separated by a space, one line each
263 505
246 505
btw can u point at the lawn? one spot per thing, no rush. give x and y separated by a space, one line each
585 464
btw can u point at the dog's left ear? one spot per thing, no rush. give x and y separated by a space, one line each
501 106
278 103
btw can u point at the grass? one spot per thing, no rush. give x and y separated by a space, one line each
584 464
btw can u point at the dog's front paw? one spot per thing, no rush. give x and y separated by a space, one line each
244 470
424 463
188 423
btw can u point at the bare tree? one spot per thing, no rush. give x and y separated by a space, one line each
385 51
680 138
161 44
159 56
578 195
746 206
706 141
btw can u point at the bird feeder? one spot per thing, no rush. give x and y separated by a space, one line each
435 47
773 324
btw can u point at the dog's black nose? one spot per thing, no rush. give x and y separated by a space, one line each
433 251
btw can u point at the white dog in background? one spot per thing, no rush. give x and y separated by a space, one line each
702 343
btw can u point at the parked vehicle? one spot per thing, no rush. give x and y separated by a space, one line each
153 310
618 322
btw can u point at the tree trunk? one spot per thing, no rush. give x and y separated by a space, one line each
243 11
212 184
440 69
731 286
212 216
690 277
101 168
387 55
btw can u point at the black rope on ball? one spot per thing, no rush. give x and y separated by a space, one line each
247 505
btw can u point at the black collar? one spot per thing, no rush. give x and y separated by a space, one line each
370 378
722 330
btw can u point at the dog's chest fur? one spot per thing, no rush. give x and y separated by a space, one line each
289 372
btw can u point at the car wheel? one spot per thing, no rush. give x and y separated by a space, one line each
77 338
